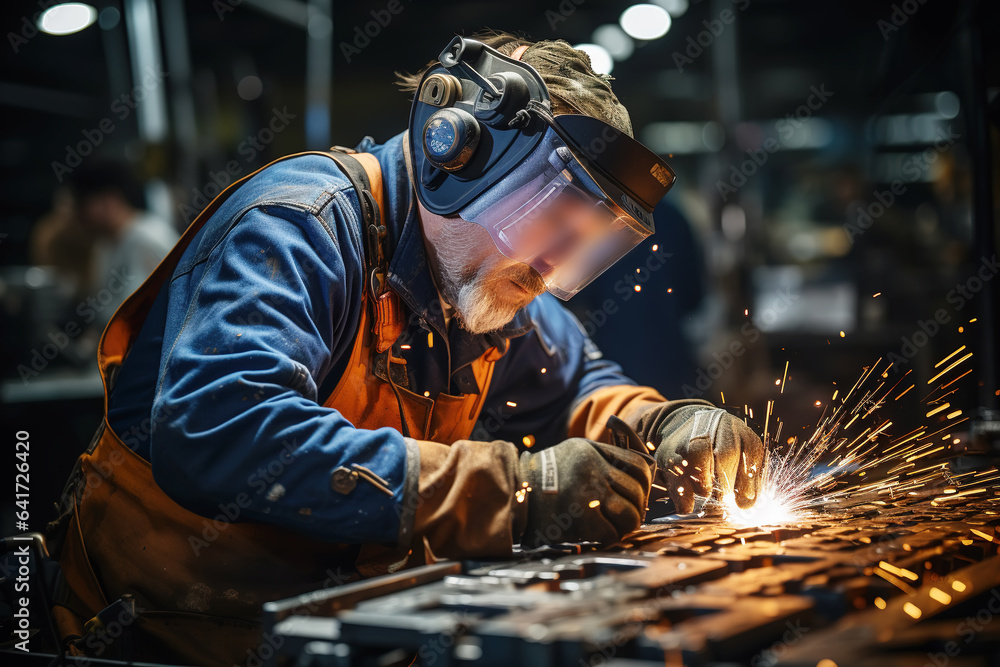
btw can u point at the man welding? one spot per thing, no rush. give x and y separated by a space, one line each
292 395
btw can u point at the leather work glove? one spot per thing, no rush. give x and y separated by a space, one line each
581 490
699 446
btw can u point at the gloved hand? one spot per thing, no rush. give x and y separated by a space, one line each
701 445
567 478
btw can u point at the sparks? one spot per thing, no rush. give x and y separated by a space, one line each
854 457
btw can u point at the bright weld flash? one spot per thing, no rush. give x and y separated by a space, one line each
769 510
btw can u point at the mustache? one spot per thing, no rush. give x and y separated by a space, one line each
528 278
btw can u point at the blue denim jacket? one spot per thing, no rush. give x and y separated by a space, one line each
222 390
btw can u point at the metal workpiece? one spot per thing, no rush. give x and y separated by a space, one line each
905 581
953 619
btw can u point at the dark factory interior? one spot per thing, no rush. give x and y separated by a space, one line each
793 315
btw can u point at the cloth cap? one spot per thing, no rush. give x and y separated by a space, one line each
569 76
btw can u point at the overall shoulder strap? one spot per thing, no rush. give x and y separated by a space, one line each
362 169
365 174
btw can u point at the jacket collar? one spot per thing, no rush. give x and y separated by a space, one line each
409 272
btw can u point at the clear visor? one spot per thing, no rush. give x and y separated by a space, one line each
560 229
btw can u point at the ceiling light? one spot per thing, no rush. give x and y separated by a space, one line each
614 40
645 21
67 18
600 60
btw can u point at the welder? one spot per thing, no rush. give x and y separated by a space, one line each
349 365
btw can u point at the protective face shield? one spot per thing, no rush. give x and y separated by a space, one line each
551 214
567 195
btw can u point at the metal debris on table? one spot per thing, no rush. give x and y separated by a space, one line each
893 583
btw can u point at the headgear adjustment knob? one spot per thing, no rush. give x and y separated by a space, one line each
514 96
449 138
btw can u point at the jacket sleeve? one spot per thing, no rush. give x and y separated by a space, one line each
251 334
251 330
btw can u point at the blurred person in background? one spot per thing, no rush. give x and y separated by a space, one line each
58 240
128 240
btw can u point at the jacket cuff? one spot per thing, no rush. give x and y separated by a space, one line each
589 417
464 505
